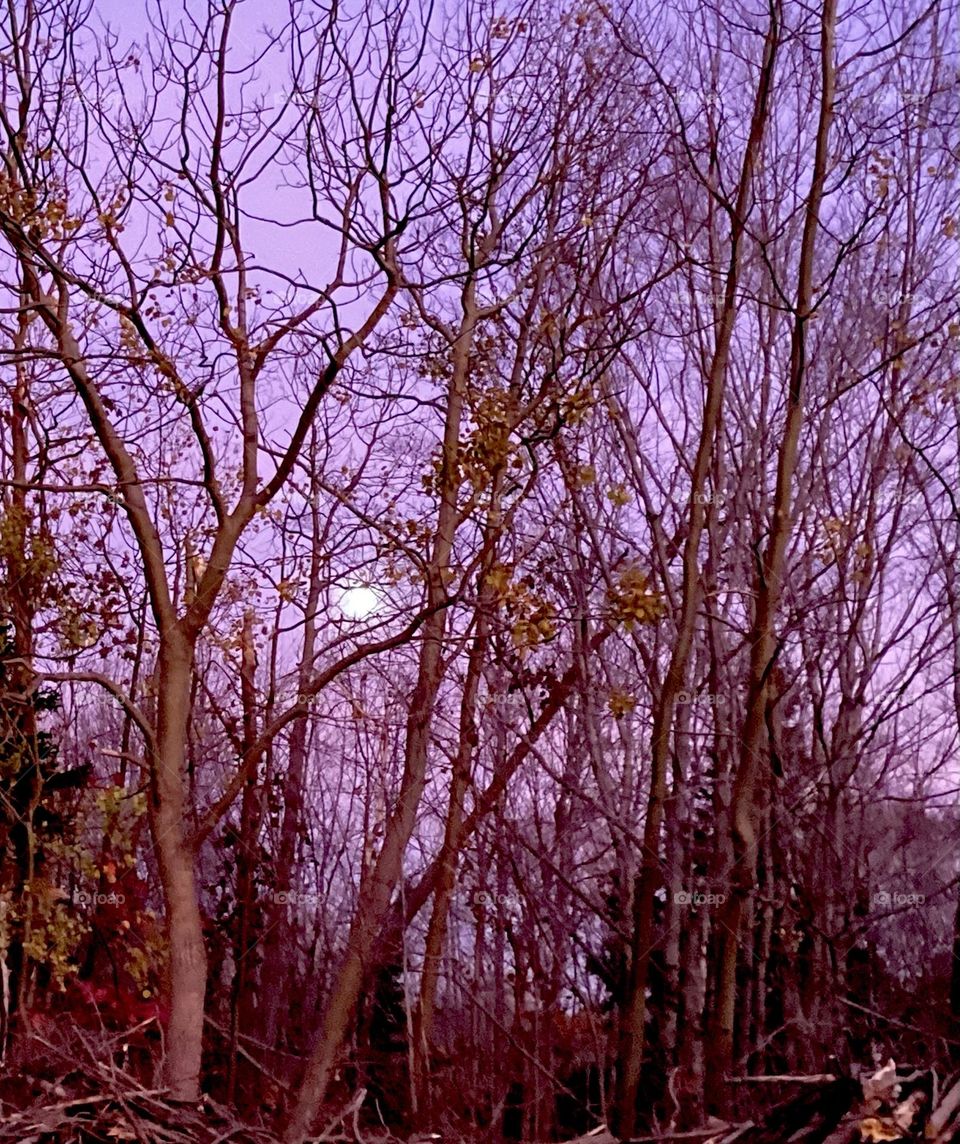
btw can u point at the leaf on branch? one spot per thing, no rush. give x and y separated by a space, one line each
620 703
633 601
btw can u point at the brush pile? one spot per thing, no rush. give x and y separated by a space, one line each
894 1104
78 1094
95 1102
87 1109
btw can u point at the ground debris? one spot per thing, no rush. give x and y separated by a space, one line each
891 1104
136 1116
94 1102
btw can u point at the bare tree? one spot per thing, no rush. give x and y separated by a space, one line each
180 193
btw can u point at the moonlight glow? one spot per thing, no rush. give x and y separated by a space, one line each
358 601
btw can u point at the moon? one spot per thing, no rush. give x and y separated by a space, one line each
358 601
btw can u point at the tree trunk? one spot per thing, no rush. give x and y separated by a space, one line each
754 755
468 738
243 997
187 971
633 1014
25 782
376 891
467 743
373 903
955 969
276 948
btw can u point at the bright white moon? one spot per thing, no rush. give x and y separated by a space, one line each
358 602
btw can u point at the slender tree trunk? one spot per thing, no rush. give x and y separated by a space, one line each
277 952
467 743
377 889
754 753
765 944
955 969
633 1015
690 1048
19 810
242 1007
951 563
559 693
188 960
372 905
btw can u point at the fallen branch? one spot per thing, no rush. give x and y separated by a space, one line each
815 1078
93 1100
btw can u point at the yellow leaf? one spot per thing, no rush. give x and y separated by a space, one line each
633 601
874 1129
620 703
499 579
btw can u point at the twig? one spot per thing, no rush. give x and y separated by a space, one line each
285 1085
899 1024
64 1105
351 1108
813 1078
692 1134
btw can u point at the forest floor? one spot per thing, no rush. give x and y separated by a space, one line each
92 1101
